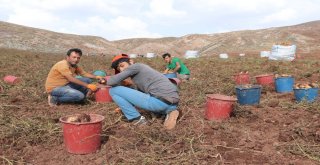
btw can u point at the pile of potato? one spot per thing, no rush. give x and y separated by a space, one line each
282 75
79 118
284 43
244 72
305 85
247 86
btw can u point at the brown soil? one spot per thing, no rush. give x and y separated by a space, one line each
277 131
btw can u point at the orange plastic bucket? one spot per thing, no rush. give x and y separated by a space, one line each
265 79
82 138
219 107
242 78
11 79
102 95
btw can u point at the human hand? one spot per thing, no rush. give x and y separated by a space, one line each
92 87
102 81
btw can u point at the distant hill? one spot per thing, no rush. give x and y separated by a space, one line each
306 36
27 38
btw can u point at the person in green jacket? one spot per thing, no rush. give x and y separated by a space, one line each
175 65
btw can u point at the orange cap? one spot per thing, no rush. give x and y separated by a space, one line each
115 61
117 57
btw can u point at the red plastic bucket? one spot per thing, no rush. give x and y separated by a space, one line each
11 79
82 138
265 79
219 107
242 78
102 95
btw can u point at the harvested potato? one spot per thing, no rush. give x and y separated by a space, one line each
247 86
73 119
84 118
305 85
282 75
80 118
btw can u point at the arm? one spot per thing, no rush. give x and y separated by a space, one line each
118 78
177 67
66 72
86 74
92 87
89 75
166 71
75 80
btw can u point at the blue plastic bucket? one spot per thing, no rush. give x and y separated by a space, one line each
248 96
308 95
284 84
171 75
101 73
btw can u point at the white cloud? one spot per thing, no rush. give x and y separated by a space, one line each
144 18
283 15
164 8
127 23
117 28
128 27
99 17
32 17
236 5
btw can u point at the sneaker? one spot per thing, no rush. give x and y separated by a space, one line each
171 120
51 101
140 121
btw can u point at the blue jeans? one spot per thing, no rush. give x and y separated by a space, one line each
70 93
127 98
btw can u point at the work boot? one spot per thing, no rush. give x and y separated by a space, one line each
171 120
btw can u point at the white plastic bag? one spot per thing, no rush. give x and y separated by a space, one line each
150 55
265 53
191 54
223 55
132 55
280 52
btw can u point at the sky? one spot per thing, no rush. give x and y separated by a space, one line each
122 19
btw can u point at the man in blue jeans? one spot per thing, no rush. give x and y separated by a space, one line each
155 92
61 84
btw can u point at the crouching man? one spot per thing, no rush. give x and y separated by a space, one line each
155 92
61 84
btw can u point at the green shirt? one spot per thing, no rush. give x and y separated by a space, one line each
183 68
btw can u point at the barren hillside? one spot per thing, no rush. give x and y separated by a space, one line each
27 38
305 36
